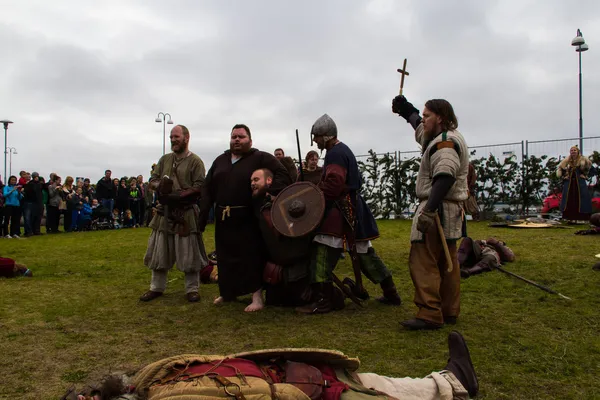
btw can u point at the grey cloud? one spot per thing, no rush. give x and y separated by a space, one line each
87 81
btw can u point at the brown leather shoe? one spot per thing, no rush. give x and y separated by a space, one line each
193 297
150 295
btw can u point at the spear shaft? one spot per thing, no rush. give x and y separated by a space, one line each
299 156
544 288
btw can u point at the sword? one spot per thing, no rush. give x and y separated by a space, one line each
544 288
346 290
351 243
299 156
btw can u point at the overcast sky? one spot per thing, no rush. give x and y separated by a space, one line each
83 81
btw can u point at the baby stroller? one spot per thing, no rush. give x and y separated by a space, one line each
85 218
101 219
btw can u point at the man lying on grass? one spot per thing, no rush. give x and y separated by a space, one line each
295 374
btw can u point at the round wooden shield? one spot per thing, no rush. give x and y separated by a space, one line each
298 209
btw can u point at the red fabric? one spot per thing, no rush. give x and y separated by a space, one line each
333 184
205 273
22 181
335 389
266 213
228 368
7 267
333 223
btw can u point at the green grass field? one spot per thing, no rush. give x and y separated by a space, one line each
79 317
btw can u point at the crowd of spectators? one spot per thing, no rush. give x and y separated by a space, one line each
117 203
110 203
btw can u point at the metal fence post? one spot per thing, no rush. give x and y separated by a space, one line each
523 177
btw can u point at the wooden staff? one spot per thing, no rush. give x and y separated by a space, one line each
438 223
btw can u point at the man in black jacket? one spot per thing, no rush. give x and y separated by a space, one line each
105 191
33 205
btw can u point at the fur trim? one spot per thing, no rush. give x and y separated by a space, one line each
584 164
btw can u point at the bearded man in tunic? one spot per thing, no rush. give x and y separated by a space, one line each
347 217
175 239
441 188
240 248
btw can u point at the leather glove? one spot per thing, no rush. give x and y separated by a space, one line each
425 220
171 199
402 107
165 186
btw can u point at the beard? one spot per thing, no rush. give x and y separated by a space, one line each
242 149
259 192
179 148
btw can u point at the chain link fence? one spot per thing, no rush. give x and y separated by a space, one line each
520 174
558 148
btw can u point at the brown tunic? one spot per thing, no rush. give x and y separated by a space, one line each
189 173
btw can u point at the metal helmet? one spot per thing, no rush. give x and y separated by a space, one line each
324 126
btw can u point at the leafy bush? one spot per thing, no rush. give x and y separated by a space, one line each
389 183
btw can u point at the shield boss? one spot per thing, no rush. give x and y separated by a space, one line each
298 209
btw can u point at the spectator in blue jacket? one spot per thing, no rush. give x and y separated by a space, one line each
12 208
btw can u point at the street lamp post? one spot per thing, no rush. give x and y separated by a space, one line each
581 46
11 151
163 120
5 122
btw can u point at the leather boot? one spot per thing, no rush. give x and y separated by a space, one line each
390 294
460 363
338 299
478 268
321 303
506 254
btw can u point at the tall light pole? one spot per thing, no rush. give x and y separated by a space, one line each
580 46
163 120
5 122
11 151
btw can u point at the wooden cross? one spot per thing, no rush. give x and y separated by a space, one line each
404 72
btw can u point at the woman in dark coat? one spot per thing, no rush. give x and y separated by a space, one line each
576 203
122 202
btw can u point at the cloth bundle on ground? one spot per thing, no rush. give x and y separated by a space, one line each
477 256
294 374
10 269
210 273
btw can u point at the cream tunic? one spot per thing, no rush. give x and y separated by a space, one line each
452 160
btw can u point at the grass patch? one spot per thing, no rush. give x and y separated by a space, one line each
79 316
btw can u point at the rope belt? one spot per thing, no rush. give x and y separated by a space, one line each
227 211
